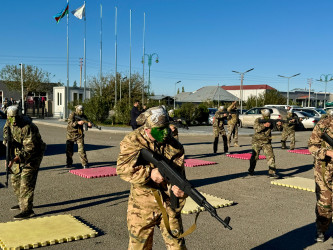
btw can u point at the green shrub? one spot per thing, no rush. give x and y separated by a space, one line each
96 108
122 112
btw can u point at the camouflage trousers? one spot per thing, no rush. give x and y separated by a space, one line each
24 180
324 195
286 133
143 214
268 151
81 151
233 130
217 132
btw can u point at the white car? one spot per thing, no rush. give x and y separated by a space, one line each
3 118
309 121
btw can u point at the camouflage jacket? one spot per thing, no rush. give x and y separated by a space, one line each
74 130
131 168
317 146
262 134
290 125
27 141
219 119
232 118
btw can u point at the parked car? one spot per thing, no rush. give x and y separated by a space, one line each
281 106
247 119
3 119
309 121
315 112
211 115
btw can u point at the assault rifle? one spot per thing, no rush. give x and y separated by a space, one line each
327 139
274 121
9 152
175 178
85 124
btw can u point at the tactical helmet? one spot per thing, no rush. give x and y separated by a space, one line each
79 109
12 111
221 108
265 112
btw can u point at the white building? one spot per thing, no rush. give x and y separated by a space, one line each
59 98
248 90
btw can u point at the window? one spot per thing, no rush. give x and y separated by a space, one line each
74 96
59 101
81 97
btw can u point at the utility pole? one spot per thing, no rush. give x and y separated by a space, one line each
324 78
81 64
309 82
241 87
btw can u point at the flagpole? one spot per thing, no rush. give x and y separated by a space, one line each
130 61
67 95
115 77
85 58
143 56
100 54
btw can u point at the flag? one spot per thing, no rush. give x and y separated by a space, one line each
61 14
80 12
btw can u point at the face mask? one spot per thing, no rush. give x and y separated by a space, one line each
80 112
12 120
160 134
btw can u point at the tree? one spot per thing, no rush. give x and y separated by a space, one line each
75 84
183 90
35 79
177 91
269 97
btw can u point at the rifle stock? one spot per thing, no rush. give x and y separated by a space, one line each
327 139
175 178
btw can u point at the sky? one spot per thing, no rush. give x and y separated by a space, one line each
198 42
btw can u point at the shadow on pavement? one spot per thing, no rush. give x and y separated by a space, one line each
196 143
299 238
55 149
99 199
296 170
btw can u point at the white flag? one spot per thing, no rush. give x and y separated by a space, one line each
80 12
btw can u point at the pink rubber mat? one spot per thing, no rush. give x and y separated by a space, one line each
196 162
300 151
95 172
245 156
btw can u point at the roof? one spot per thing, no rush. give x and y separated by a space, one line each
237 87
212 93
158 97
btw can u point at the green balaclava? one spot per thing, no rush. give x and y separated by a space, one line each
12 115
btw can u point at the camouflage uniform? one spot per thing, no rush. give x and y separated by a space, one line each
289 130
218 129
143 212
29 148
174 131
262 140
323 172
75 134
233 124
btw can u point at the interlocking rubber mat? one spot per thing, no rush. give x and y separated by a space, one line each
192 207
196 162
245 156
300 151
95 172
43 231
296 182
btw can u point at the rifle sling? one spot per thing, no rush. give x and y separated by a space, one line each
166 217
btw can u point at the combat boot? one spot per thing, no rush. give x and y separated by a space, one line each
283 146
24 215
17 207
252 167
236 144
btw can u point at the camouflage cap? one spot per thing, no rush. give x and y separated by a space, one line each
12 111
221 108
265 112
79 108
153 117
329 112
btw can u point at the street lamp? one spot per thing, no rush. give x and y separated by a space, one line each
288 84
324 78
241 87
174 98
150 58
22 102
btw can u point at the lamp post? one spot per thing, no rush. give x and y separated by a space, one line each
174 98
288 84
22 102
241 87
150 59
324 78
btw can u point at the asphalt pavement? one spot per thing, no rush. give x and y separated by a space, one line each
264 216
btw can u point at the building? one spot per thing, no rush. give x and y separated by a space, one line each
59 98
248 90
6 93
207 93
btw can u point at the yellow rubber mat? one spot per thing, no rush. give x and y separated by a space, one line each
296 182
42 231
192 207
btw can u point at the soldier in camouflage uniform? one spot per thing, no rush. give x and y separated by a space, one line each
289 130
28 154
323 172
143 212
218 128
233 124
262 140
75 134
